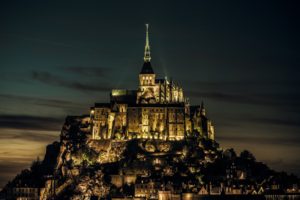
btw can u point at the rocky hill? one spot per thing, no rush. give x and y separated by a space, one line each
80 168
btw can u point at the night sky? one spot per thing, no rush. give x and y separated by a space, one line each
241 57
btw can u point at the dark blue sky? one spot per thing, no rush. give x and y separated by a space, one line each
241 57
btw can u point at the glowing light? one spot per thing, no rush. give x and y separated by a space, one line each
116 92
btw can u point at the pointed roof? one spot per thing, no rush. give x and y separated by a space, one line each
147 68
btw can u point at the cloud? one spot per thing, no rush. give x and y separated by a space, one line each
274 121
235 98
260 119
48 78
36 136
9 170
88 71
257 92
19 148
25 122
251 98
250 83
261 140
44 102
11 167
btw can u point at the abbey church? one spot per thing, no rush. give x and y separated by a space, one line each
158 109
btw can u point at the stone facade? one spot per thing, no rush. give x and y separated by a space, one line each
158 109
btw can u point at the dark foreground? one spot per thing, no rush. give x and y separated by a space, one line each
250 197
232 197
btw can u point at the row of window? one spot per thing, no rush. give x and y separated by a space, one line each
147 78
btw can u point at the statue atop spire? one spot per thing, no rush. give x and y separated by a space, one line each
147 56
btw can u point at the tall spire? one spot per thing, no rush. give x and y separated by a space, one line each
147 56
147 68
202 109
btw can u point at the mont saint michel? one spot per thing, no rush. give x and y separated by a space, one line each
148 143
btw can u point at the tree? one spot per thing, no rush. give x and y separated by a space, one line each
229 153
35 164
246 155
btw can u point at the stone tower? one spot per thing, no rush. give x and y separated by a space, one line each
146 76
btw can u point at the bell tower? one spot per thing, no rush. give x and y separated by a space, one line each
147 88
147 75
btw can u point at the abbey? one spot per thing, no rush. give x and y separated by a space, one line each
158 109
